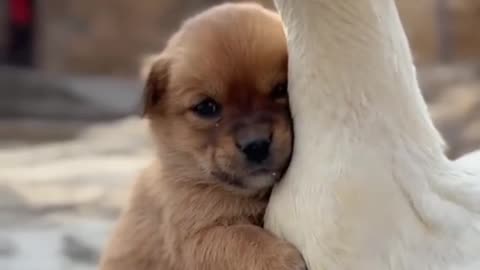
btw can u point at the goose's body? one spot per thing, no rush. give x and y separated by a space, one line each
471 162
369 186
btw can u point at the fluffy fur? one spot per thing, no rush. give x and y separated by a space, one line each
201 203
369 186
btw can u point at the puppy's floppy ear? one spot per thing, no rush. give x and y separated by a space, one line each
155 73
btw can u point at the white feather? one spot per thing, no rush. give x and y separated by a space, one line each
369 186
470 161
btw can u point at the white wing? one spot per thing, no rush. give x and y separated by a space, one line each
463 186
470 162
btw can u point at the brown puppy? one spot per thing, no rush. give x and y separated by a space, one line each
217 104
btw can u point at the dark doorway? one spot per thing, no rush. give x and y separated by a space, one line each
20 33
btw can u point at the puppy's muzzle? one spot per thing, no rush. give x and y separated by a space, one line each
254 142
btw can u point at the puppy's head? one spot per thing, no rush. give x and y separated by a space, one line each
217 98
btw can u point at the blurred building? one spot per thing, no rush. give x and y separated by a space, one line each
111 36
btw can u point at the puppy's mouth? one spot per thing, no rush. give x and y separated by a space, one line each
229 179
249 179
264 172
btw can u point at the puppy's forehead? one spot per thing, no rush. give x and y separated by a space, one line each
233 45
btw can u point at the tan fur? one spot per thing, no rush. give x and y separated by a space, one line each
183 214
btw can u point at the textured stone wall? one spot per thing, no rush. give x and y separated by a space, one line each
466 28
426 28
110 36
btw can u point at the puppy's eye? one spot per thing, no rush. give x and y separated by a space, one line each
280 91
207 108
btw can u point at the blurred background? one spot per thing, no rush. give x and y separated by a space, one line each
71 141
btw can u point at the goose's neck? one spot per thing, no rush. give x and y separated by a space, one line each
352 74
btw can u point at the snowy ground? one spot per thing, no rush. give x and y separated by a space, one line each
58 200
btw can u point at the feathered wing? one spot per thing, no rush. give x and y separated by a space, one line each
471 162
463 185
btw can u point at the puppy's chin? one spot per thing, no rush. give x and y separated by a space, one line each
248 184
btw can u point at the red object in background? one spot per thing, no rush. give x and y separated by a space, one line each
20 47
20 12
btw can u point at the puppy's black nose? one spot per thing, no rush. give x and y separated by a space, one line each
253 139
256 151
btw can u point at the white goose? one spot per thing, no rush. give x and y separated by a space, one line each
369 186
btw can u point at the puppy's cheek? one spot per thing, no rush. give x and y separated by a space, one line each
282 143
206 159
223 160
225 154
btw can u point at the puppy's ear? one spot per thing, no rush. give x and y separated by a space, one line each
155 73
